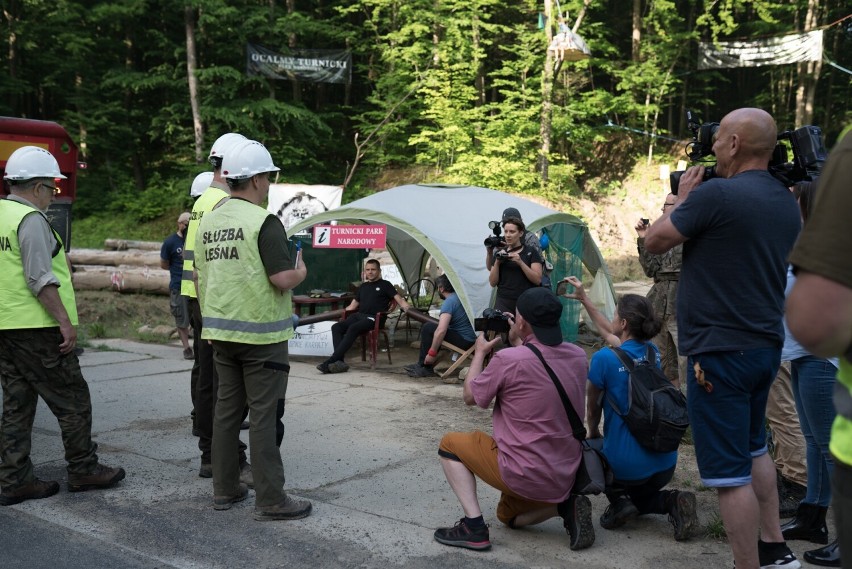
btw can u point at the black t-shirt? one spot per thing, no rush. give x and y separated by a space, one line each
513 281
374 297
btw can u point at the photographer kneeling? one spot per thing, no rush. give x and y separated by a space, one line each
515 268
533 457
640 474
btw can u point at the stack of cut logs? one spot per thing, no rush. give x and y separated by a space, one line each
123 266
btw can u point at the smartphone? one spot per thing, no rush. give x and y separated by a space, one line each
645 221
562 288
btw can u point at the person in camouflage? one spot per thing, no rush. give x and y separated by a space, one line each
665 270
38 337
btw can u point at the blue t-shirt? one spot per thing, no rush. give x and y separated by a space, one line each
731 293
459 322
172 251
629 459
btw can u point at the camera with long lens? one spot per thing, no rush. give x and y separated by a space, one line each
492 321
698 149
809 153
495 240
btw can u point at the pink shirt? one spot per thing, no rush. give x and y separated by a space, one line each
538 456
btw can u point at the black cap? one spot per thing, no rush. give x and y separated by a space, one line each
511 212
540 307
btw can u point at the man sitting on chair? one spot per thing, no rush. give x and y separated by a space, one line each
453 326
373 296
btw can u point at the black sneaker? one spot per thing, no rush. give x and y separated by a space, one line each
462 536
682 515
410 367
576 513
338 367
619 512
323 367
422 371
776 556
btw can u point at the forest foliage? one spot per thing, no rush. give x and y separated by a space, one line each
456 91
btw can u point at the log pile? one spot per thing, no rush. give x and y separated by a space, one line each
123 266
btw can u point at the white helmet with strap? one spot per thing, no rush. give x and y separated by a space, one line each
201 183
28 162
246 160
220 148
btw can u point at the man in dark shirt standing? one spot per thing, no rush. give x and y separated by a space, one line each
730 307
372 297
171 258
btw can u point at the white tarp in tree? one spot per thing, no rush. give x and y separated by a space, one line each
791 48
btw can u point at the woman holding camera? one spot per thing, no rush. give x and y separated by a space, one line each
514 268
640 474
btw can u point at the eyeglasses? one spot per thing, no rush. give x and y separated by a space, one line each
665 205
53 189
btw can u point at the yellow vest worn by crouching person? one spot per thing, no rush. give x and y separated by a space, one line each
203 204
20 308
238 303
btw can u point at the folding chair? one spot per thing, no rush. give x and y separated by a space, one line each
371 337
463 355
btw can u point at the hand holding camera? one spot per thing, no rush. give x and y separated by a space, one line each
579 293
642 226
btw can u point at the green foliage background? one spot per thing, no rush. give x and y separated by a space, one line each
450 90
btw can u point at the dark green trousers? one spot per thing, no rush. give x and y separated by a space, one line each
32 367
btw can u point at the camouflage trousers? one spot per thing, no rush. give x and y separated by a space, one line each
32 367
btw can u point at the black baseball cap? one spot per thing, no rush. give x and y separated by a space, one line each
540 307
511 212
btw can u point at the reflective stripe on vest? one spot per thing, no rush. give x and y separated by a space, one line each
20 308
205 203
238 302
841 429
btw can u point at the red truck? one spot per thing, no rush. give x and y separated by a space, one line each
15 133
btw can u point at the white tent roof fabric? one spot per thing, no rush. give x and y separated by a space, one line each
450 223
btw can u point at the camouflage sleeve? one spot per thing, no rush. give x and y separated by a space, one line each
650 262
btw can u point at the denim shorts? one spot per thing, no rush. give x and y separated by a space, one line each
728 421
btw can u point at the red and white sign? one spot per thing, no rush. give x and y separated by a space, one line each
350 236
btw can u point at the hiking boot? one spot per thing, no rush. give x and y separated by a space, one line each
776 556
188 355
422 371
683 516
619 512
35 490
338 367
205 470
246 477
576 514
101 477
462 536
225 502
286 509
323 367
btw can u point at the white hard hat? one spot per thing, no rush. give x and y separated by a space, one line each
201 183
223 143
246 160
29 162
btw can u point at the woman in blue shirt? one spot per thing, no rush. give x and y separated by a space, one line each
640 474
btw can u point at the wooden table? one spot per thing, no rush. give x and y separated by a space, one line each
334 303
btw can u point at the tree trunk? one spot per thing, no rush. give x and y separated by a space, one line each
291 43
546 97
808 74
191 66
636 38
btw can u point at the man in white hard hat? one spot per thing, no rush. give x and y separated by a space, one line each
38 336
245 282
205 382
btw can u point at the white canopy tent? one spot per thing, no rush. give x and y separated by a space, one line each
450 223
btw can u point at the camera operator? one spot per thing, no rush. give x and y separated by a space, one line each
531 240
515 268
665 270
737 230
